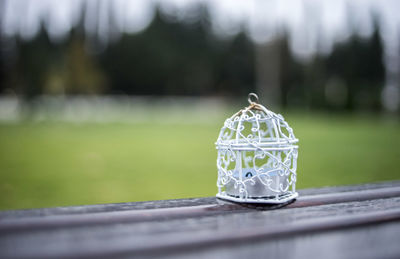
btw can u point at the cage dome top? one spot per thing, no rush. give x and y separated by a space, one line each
255 127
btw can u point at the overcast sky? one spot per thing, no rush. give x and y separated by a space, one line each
307 20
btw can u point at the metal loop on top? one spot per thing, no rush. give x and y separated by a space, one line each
253 98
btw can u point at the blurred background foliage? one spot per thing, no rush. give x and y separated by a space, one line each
108 115
172 57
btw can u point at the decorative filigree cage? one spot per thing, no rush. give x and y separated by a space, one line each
257 157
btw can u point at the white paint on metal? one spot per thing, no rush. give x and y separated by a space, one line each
257 157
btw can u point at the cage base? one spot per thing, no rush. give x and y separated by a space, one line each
279 199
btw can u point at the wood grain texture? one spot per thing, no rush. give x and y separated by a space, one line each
84 209
335 229
213 209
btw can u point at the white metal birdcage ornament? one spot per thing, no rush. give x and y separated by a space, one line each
257 157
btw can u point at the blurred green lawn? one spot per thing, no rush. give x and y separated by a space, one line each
57 164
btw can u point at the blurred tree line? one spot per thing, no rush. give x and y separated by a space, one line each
172 57
351 77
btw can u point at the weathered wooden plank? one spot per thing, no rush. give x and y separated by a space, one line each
209 228
366 242
191 211
170 203
182 235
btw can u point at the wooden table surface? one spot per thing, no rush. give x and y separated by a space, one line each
335 222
